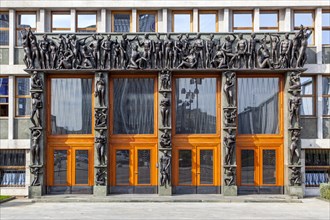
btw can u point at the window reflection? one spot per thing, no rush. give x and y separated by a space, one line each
121 22
122 167
195 105
258 108
61 22
247 169
207 22
307 96
86 23
185 166
147 23
269 167
181 23
4 28
81 166
23 100
25 21
60 167
243 22
326 95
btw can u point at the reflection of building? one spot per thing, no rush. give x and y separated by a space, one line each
197 120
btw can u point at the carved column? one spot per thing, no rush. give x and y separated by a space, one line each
101 120
294 167
229 125
164 136
38 145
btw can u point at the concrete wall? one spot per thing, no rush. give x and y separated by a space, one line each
21 128
3 128
309 130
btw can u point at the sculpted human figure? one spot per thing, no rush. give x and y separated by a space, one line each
136 59
87 59
189 61
229 88
165 139
178 47
285 52
44 52
158 51
124 58
294 82
295 176
294 150
35 149
95 46
274 42
101 117
106 54
296 42
302 57
65 60
36 172
252 50
100 147
241 51
165 169
230 117
229 142
116 54
36 106
219 59
264 59
75 45
100 90
227 48
165 110
165 80
168 44
147 49
100 177
230 176
36 82
294 108
35 56
199 47
27 51
53 54
209 48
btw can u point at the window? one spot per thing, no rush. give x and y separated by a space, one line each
147 21
305 18
326 27
208 21
242 21
121 21
269 21
326 95
25 21
86 22
307 96
182 21
4 28
3 97
23 98
12 168
61 22
258 105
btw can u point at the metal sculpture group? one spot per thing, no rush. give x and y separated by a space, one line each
171 51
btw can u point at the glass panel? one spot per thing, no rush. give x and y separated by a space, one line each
12 158
207 22
326 106
133 106
317 157
60 167
243 20
247 172
268 20
23 106
147 23
12 178
122 167
185 166
206 166
181 23
269 167
196 105
4 86
326 85
307 85
71 106
143 166
4 23
86 21
23 86
307 106
326 37
305 19
61 21
325 19
122 23
258 108
3 110
81 166
24 21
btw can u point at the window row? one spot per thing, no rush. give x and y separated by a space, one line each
242 21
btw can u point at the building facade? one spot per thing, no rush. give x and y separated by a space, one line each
153 119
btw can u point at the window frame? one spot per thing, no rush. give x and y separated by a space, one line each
5 96
325 28
52 28
325 96
201 12
295 28
113 20
17 96
141 12
5 28
270 28
238 29
178 12
15 168
20 29
78 29
313 96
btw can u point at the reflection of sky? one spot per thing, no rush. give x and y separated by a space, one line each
207 22
325 37
307 85
326 19
268 20
305 19
182 23
326 86
61 21
29 20
3 86
243 20
206 97
254 91
86 20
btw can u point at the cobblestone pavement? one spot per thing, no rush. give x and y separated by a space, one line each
310 208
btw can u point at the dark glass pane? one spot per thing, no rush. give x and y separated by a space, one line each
143 166
4 34
326 106
122 167
258 109
182 23
81 166
60 167
122 23
133 106
4 110
195 105
269 167
23 86
207 22
12 157
185 166
326 85
3 100
206 166
4 86
71 106
23 106
147 23
4 20
247 172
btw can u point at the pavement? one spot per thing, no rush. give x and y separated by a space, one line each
22 208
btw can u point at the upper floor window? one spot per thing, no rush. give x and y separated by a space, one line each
86 22
23 98
4 97
147 21
61 22
326 27
242 21
24 21
207 21
121 21
4 28
268 21
307 96
305 18
326 95
182 21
